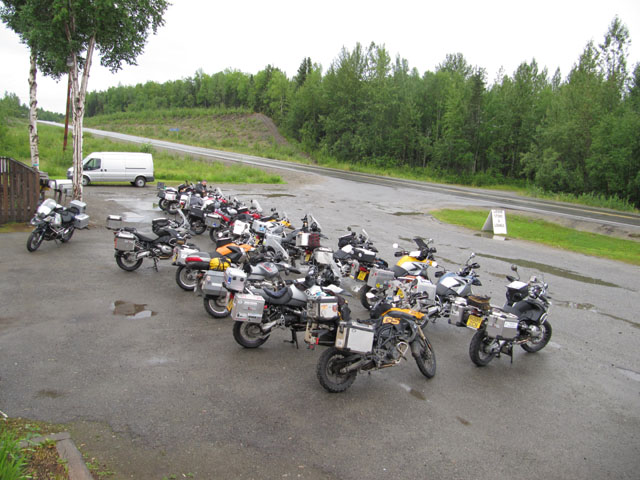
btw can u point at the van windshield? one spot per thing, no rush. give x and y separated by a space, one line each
92 164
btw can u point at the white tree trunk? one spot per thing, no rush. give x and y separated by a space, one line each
78 95
33 113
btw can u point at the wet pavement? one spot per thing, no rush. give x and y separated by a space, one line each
153 386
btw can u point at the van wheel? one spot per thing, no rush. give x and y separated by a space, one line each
85 181
140 182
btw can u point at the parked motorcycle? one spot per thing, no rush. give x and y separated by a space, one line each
521 321
55 222
132 246
410 265
364 346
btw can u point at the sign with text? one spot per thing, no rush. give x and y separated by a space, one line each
496 221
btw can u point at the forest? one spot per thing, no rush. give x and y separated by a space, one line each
578 134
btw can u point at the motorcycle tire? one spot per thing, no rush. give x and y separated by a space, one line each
162 203
533 347
128 264
216 306
198 227
34 240
329 378
426 361
66 237
173 207
478 349
186 278
248 334
365 301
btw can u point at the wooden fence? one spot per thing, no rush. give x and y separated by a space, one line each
19 191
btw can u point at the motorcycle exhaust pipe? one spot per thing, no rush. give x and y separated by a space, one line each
142 255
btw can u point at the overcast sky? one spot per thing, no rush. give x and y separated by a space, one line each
247 35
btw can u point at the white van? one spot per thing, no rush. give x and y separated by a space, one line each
133 167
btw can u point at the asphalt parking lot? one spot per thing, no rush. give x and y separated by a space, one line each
153 386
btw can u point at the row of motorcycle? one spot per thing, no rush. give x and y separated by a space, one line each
266 275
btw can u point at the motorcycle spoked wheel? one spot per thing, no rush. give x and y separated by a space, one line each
481 348
328 374
198 227
172 207
186 278
162 203
128 261
426 361
540 343
217 307
35 240
67 236
249 335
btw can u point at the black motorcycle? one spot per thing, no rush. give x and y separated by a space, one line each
521 321
55 222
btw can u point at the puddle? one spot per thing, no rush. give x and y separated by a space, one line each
131 310
559 272
630 373
49 394
131 217
463 421
592 308
401 214
414 393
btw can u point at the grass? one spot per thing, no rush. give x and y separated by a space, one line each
548 233
169 168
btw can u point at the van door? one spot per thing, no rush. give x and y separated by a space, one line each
113 169
94 169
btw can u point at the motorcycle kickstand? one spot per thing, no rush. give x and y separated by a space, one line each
155 263
294 339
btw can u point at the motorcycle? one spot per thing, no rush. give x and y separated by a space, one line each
364 346
523 320
132 247
410 265
55 222
170 196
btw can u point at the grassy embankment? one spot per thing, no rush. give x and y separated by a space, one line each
244 132
551 234
169 168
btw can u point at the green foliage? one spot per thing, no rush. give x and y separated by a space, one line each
12 460
551 234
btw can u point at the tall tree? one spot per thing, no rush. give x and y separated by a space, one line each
65 34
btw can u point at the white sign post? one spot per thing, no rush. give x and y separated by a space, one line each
496 221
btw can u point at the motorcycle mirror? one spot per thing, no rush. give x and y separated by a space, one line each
349 229
395 245
514 268
473 255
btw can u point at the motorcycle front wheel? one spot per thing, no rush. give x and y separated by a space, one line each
34 240
533 346
128 261
481 348
186 278
216 306
162 203
249 335
198 227
172 207
67 236
367 302
426 361
328 373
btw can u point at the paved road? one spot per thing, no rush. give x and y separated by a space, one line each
153 386
491 198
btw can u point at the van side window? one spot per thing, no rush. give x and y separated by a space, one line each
93 164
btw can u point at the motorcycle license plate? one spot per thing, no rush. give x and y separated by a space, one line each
362 276
175 257
307 257
474 322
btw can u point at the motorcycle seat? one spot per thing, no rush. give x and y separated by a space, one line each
148 237
278 297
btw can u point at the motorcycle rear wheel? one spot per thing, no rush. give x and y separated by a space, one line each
332 380
186 278
162 203
249 335
427 360
216 306
66 237
34 240
533 347
198 227
480 348
365 301
172 207
128 262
